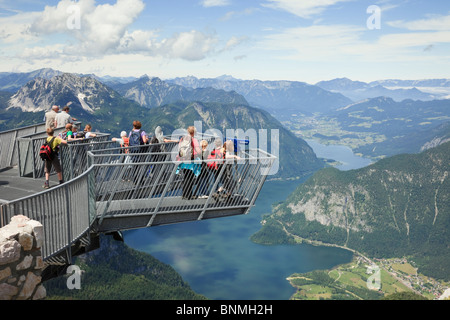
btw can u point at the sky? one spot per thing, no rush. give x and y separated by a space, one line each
297 40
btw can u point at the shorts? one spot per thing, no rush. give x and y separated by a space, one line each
56 164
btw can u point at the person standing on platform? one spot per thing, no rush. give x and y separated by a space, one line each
50 117
55 142
64 118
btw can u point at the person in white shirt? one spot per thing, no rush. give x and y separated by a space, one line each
64 118
50 117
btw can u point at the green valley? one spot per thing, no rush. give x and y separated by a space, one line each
377 127
397 207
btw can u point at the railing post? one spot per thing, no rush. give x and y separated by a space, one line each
261 183
172 176
2 222
113 193
69 225
222 169
34 159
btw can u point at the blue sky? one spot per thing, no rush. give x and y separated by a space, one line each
301 40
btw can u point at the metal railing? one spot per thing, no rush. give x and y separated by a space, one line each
134 185
66 212
113 185
72 156
8 144
27 151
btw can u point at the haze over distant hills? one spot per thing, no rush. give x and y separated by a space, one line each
397 90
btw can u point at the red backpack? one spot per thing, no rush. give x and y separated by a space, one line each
215 154
46 152
126 143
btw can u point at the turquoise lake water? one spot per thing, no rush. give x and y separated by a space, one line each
217 258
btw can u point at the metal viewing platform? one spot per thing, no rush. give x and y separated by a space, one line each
109 189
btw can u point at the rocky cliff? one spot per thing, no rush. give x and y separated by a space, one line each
398 206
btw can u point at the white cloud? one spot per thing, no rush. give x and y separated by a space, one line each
414 39
104 29
193 45
302 8
101 27
315 42
433 23
17 28
344 43
215 3
234 42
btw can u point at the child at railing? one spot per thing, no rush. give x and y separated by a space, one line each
88 133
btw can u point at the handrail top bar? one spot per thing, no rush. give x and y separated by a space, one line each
177 162
23 128
52 189
40 132
132 147
94 154
30 137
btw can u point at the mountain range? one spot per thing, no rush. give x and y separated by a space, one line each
169 106
397 90
112 102
280 98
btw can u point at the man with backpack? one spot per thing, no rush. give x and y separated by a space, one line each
52 159
137 136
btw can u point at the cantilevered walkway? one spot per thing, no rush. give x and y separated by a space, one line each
109 189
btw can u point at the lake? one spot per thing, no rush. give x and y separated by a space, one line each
217 258
343 154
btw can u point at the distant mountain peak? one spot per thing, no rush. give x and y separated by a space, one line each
226 77
64 89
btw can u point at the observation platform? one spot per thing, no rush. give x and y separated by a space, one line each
108 189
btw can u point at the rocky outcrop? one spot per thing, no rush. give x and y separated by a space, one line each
21 262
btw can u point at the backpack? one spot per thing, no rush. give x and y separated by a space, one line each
63 135
126 143
158 146
186 148
46 152
135 138
215 154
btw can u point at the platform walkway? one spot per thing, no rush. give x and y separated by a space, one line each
110 191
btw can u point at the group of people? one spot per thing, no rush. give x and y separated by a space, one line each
137 137
55 119
70 133
207 172
199 174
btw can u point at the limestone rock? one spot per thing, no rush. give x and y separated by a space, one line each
30 284
9 251
7 291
